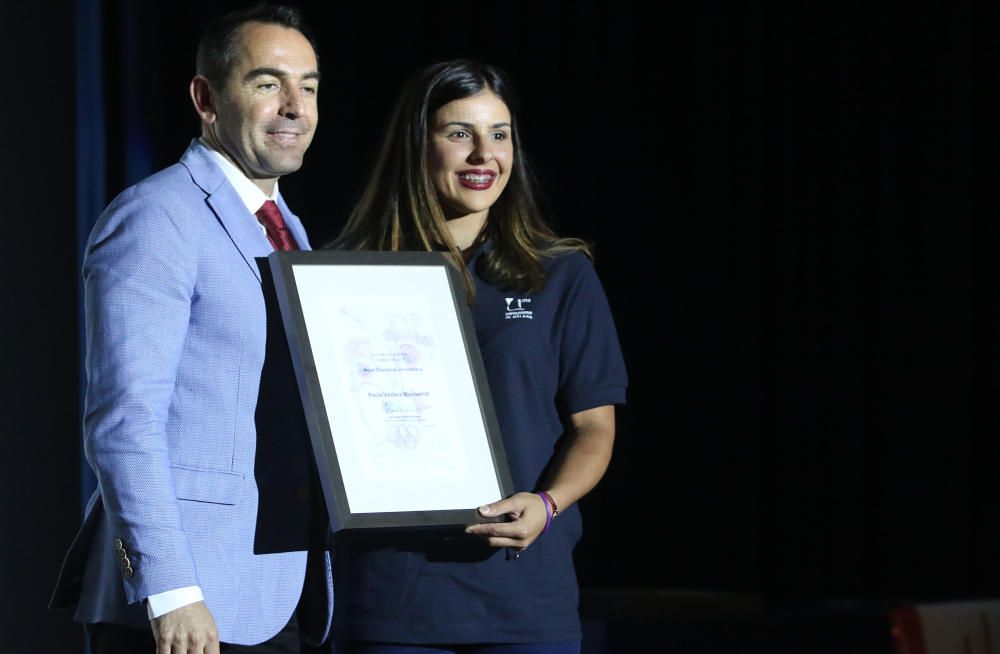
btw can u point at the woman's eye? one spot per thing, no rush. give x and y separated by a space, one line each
460 133
499 136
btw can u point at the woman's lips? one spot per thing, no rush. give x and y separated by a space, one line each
477 180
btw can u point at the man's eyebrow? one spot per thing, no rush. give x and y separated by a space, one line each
274 72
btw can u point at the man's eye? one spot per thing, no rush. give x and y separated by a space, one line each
311 90
267 86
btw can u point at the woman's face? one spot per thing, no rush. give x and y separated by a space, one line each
471 154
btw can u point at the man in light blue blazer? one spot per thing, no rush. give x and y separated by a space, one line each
175 320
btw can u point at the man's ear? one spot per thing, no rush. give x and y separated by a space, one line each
203 98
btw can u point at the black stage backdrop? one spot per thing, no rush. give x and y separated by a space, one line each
793 221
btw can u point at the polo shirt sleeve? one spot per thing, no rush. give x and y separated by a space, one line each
591 368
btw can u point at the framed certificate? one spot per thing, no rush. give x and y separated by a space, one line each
393 387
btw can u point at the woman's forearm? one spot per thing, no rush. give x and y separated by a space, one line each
584 458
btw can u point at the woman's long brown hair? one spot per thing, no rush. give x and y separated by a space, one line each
399 208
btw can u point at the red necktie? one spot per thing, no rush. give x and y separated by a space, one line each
269 216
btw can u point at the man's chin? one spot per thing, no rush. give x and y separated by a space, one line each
281 167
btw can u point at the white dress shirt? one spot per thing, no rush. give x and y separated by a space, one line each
250 193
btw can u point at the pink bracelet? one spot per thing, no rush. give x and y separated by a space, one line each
555 507
548 510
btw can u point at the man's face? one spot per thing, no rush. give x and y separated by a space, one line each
266 114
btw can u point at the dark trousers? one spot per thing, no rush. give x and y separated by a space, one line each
360 647
108 638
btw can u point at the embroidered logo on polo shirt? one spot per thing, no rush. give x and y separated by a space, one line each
517 308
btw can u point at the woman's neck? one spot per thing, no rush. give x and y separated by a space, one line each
465 230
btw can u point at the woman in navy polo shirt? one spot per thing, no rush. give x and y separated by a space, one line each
451 175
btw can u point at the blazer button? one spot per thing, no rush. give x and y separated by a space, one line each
118 544
129 572
122 554
125 563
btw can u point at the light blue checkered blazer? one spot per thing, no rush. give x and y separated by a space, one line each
176 330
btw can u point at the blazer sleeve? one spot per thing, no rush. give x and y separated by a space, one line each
139 282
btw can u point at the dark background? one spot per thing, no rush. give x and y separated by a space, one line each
793 219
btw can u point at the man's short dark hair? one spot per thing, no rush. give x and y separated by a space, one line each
217 47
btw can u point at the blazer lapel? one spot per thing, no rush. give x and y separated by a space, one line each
227 206
294 225
240 225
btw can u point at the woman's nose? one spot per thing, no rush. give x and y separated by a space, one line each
481 151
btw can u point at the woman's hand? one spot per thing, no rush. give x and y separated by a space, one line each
527 513
579 465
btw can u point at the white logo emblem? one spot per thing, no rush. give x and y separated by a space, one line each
517 308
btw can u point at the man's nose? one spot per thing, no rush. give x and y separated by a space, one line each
294 103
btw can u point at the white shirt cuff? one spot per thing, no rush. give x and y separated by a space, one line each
157 605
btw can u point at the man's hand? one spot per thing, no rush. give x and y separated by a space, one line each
188 630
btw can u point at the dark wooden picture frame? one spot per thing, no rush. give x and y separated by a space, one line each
291 296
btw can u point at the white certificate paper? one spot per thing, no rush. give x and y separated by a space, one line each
392 365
